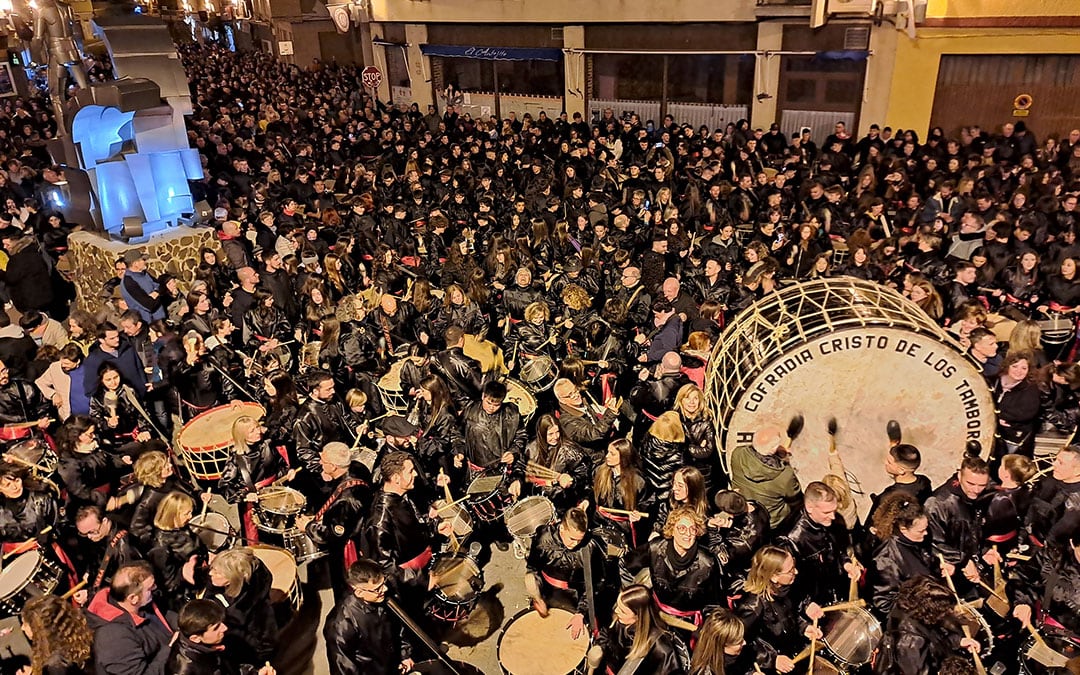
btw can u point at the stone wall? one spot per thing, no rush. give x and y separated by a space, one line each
175 251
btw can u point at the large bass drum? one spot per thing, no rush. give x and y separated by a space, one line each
857 351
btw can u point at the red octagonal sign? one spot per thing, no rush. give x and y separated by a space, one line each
371 77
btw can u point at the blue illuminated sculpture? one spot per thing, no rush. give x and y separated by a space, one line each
127 140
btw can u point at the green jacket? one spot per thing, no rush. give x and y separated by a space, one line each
775 488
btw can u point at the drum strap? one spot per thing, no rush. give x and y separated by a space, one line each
109 550
342 487
631 666
590 591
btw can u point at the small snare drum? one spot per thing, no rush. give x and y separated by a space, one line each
28 576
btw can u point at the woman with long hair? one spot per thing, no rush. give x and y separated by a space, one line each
440 430
922 630
155 477
1017 397
1026 336
663 451
178 555
687 489
773 623
200 314
85 466
60 639
617 484
282 403
639 634
252 465
112 409
700 436
901 525
928 299
552 450
1009 502
458 310
721 647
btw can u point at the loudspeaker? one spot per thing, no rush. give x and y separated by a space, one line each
203 212
133 227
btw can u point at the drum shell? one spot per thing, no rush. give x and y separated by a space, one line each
285 584
538 372
394 398
519 395
215 541
25 577
281 517
861 353
558 645
851 636
528 515
490 506
454 607
205 442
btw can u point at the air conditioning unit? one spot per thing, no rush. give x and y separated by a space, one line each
861 7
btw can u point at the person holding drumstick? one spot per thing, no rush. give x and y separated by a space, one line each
685 575
555 573
769 611
721 647
639 635
253 465
819 537
395 534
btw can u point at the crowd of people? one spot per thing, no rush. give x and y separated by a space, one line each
442 316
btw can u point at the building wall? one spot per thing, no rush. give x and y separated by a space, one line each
562 11
916 65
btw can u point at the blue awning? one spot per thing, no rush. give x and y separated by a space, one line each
492 53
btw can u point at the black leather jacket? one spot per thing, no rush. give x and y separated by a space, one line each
735 546
773 624
568 458
462 375
662 659
701 444
363 639
343 519
395 532
487 437
83 472
690 583
824 550
170 552
319 423
142 521
955 523
1052 579
440 439
515 299
192 658
527 338
243 472
21 401
27 515
895 561
250 617
655 397
549 556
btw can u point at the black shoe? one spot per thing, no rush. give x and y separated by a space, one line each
893 430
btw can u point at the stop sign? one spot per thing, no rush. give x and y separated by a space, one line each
371 77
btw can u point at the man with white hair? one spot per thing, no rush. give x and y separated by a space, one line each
762 473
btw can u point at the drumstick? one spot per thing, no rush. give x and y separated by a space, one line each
621 512
15 459
676 622
26 425
1035 634
446 506
74 589
206 503
813 648
841 606
1017 556
26 545
979 668
285 479
804 653
992 592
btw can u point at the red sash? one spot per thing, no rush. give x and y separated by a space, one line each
694 616
419 562
557 583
